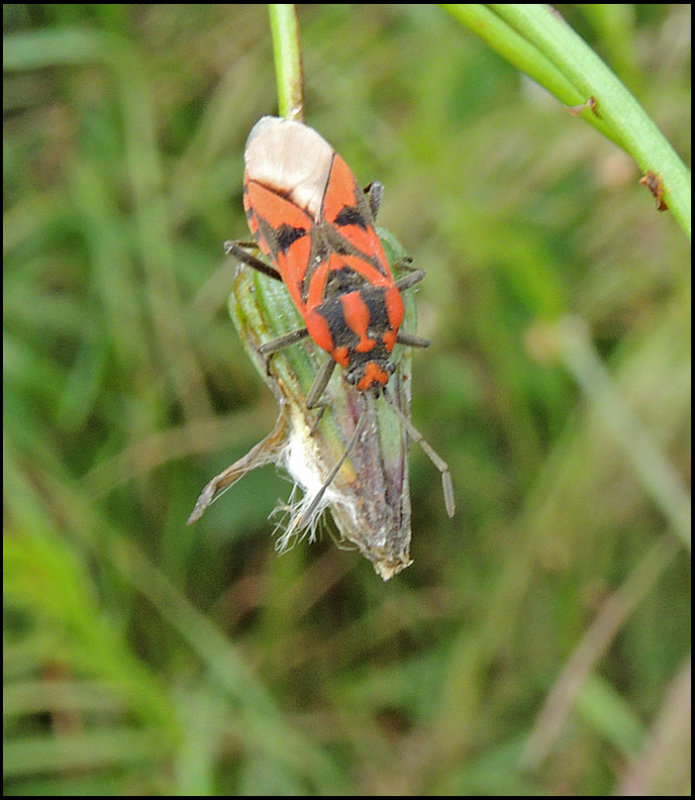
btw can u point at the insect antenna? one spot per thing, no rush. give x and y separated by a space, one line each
431 453
306 514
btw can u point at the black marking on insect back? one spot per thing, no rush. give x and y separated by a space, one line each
344 336
342 281
378 314
344 244
351 215
332 311
278 240
286 236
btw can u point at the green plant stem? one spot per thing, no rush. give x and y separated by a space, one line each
555 56
503 39
284 29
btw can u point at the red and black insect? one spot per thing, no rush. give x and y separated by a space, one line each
311 219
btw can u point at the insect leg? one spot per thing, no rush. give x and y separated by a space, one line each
318 387
411 339
413 277
431 453
237 250
374 192
320 382
322 376
280 343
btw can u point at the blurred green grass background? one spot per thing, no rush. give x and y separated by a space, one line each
539 644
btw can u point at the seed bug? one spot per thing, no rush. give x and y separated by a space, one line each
315 225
